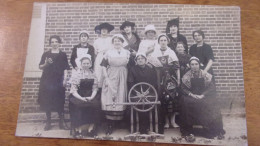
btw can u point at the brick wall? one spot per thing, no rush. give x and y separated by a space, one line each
220 24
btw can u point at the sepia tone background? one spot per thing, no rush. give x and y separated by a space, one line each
15 20
220 24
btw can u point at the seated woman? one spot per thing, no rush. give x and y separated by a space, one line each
168 72
142 73
199 104
84 102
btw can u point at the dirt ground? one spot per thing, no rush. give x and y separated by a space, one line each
235 133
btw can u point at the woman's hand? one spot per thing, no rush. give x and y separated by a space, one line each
84 99
196 96
193 95
88 98
48 61
114 99
64 82
179 82
200 96
133 52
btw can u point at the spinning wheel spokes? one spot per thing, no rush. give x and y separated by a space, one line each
144 94
135 97
150 96
137 92
139 100
142 91
146 100
147 91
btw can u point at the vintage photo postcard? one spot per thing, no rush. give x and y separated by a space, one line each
161 73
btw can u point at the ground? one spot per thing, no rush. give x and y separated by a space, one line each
235 127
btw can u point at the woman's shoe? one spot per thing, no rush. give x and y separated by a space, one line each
92 133
166 126
109 130
220 136
62 125
48 125
191 138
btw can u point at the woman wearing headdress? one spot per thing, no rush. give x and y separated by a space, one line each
199 104
172 31
114 89
148 45
141 72
202 51
131 38
101 45
168 72
84 100
81 50
54 64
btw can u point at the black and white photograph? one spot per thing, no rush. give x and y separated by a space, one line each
164 73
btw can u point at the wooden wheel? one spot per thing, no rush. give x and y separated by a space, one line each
143 93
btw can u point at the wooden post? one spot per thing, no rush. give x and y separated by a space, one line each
151 120
137 122
156 119
132 120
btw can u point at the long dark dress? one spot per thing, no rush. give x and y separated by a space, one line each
204 53
84 112
136 75
51 90
173 42
205 111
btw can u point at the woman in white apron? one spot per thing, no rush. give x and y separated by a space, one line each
114 88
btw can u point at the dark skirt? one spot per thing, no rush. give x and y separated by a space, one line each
84 112
51 95
204 112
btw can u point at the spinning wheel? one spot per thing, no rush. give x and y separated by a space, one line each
143 96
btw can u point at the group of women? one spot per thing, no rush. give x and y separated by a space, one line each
102 75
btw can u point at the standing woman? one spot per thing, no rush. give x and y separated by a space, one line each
101 45
114 88
202 51
172 31
51 98
183 57
165 60
81 50
148 45
132 40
